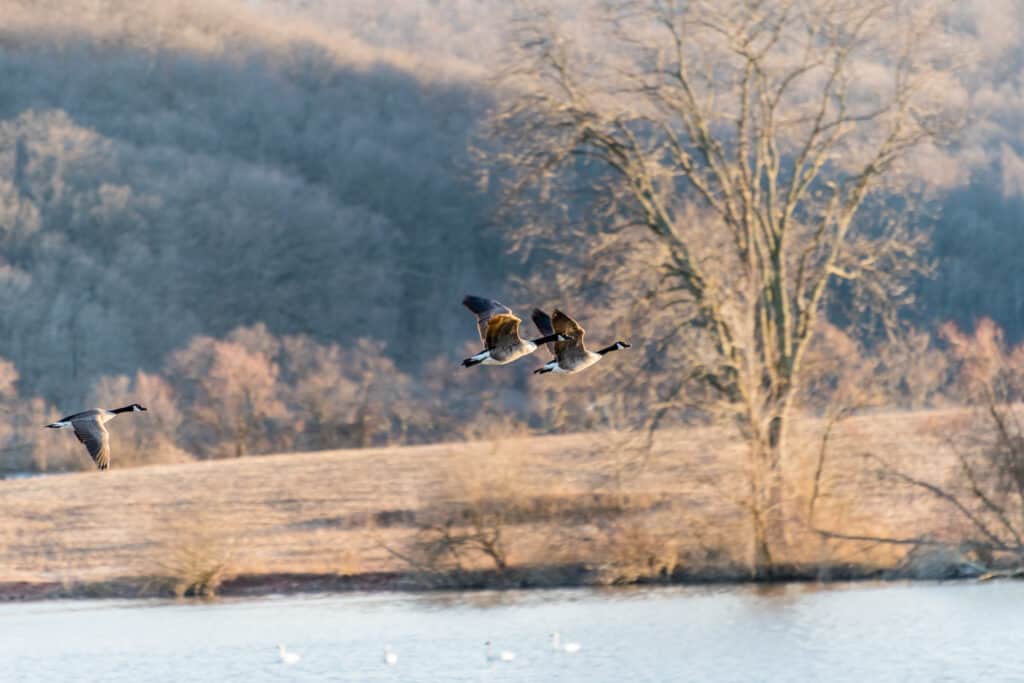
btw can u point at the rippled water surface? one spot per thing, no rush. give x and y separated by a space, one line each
861 632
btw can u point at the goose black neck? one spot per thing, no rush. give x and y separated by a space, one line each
545 340
126 409
608 349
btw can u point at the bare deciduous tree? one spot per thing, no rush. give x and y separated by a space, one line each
231 392
733 145
350 397
907 370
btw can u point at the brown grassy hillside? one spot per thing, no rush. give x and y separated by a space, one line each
596 499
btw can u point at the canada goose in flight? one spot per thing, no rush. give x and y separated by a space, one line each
499 332
90 429
570 356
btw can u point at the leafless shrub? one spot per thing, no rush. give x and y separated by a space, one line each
636 548
194 561
469 520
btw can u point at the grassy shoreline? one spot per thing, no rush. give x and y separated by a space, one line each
515 512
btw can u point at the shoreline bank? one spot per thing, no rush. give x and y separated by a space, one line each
519 578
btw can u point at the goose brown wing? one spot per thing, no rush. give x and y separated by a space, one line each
502 331
566 326
96 438
543 322
484 309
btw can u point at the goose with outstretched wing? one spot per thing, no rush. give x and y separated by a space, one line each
499 333
572 354
91 429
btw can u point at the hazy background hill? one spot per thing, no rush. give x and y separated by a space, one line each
174 170
171 169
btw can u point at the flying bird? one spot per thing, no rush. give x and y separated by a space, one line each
571 355
499 332
90 428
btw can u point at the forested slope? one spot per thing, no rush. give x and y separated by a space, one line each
172 169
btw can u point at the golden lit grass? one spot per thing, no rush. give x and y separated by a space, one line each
586 498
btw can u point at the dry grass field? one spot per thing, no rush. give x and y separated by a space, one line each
599 501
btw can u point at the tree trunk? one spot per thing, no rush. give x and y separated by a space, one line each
762 562
767 517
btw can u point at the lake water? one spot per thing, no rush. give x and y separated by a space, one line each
854 632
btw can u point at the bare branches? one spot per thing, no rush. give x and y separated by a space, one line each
952 499
984 490
792 80
744 139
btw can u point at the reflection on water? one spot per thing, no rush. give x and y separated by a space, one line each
854 632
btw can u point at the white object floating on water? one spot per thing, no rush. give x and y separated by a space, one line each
557 644
503 656
286 656
390 658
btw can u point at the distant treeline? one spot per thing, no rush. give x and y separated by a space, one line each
251 392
